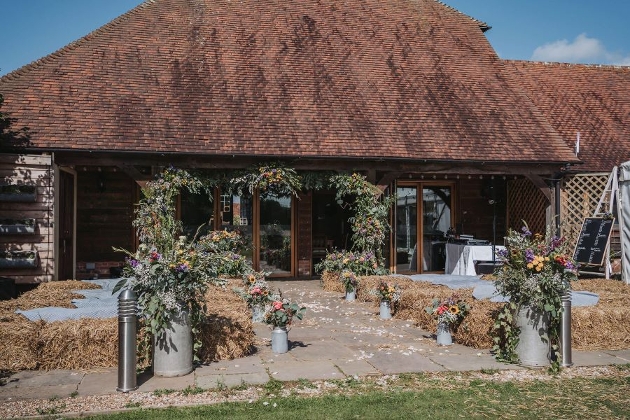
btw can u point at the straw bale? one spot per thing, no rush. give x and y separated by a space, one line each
605 325
228 332
78 344
331 282
18 349
54 293
474 330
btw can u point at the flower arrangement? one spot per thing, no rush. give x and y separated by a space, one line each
371 211
170 273
283 311
536 273
272 178
387 292
536 269
364 263
256 291
451 310
349 280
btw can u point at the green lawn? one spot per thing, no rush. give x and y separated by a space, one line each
453 396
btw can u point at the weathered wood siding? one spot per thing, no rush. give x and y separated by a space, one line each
35 170
105 204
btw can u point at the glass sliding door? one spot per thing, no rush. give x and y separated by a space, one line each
236 214
423 215
406 229
275 234
436 219
197 213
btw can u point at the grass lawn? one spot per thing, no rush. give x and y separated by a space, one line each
419 396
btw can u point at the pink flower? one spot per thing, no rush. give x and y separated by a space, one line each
277 305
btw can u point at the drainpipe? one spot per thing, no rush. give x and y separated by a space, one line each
565 325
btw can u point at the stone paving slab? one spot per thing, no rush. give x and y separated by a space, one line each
99 383
356 367
389 363
244 365
149 383
624 355
594 358
292 370
454 362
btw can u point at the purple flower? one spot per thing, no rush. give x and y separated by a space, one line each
133 262
182 268
526 232
529 255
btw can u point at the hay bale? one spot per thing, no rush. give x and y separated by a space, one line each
78 344
474 330
604 326
228 332
331 282
18 348
54 293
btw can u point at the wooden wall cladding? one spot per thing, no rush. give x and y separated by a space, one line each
35 172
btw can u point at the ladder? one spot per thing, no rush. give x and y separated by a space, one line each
606 206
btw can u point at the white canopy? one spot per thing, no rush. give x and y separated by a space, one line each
624 219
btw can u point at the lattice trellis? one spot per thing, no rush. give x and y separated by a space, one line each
526 203
579 198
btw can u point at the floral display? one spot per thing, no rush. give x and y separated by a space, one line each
371 212
282 312
387 292
451 310
256 291
271 178
349 280
361 263
536 268
535 274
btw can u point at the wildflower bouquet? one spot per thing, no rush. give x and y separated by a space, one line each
256 291
363 263
283 311
536 269
450 311
349 280
387 292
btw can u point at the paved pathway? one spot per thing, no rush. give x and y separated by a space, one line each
336 339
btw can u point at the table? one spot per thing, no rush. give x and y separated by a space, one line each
460 259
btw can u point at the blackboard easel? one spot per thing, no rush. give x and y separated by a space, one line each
593 241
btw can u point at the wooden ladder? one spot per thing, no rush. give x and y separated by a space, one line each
606 206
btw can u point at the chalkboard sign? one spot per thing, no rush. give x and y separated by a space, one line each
593 241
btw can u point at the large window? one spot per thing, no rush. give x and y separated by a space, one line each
421 226
275 234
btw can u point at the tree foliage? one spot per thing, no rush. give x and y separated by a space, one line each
10 139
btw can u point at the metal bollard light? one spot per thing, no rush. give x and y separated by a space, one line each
127 358
565 339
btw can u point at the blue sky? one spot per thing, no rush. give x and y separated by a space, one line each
576 31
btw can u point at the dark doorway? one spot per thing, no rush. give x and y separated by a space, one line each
66 226
331 229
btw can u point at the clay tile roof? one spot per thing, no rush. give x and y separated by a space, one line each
591 100
400 79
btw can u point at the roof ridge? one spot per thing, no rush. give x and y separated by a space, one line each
77 43
482 25
563 64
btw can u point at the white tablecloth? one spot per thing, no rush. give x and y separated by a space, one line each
460 259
